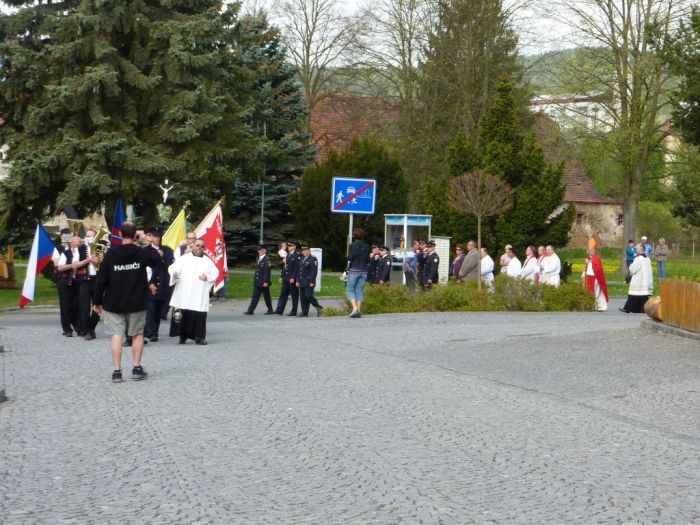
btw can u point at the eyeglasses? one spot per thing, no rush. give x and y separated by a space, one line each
199 246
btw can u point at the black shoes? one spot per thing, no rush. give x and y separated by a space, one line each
623 310
270 312
152 340
200 342
117 376
138 373
182 341
68 334
247 312
291 314
303 315
319 311
90 336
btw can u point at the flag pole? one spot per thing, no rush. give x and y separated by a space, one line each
210 212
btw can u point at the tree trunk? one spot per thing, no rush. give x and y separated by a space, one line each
630 208
478 248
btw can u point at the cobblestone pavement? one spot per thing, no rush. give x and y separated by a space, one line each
418 418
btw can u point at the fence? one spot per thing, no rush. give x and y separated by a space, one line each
680 303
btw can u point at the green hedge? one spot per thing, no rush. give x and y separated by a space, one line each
508 294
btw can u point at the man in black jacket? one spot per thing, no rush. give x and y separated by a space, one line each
430 268
122 293
306 281
289 277
261 282
383 274
159 286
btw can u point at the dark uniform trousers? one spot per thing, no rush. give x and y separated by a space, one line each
308 298
289 288
69 298
265 292
87 317
154 316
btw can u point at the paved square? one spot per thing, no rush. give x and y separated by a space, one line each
418 418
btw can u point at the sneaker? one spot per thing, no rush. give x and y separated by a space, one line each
117 376
355 314
352 314
138 373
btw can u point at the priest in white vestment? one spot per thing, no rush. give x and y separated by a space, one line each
193 275
551 267
486 267
641 283
530 269
514 265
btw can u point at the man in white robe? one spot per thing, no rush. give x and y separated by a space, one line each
551 267
193 275
514 265
486 267
641 283
530 270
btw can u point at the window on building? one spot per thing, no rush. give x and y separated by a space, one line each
620 220
579 219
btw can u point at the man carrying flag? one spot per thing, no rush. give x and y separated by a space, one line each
211 232
40 256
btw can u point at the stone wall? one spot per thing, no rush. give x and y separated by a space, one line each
602 221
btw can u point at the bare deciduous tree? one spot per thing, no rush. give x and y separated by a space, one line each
482 195
320 40
618 35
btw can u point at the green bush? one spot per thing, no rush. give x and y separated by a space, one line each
508 294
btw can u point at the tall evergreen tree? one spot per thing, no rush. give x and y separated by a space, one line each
279 116
106 98
364 158
471 46
537 216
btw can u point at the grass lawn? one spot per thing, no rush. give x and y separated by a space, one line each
240 286
241 281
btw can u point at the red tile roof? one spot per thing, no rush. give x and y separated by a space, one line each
579 187
337 119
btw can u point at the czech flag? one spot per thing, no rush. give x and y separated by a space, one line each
42 250
119 218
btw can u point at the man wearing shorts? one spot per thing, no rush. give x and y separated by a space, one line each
122 292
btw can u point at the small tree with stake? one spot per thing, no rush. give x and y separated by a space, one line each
482 195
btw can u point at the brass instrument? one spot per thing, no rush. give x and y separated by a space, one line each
102 244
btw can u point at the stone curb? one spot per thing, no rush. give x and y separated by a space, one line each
37 308
656 326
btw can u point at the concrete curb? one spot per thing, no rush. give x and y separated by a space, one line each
656 326
37 308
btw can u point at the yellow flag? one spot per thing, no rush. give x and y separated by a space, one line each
176 232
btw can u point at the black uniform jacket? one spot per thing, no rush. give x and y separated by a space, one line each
383 270
293 259
430 270
263 271
308 269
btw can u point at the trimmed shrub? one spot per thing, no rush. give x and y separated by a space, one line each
508 294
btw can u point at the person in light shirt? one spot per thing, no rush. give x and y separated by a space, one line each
486 267
514 266
550 267
530 270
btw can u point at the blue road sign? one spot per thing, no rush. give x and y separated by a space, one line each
353 195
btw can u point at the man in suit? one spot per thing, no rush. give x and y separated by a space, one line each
430 270
289 277
470 266
159 284
261 282
306 281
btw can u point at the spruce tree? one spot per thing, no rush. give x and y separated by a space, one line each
538 215
107 98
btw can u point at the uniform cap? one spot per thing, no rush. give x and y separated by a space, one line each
293 242
156 232
305 246
262 247
431 243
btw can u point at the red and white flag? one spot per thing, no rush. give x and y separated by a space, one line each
211 231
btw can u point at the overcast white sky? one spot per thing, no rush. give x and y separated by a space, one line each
537 32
